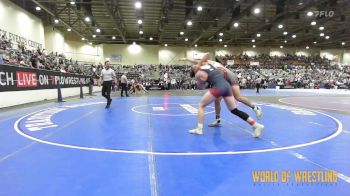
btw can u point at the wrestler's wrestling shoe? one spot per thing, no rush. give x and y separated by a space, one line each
217 123
258 112
258 128
196 131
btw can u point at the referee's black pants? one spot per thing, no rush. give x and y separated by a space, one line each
124 88
257 87
106 89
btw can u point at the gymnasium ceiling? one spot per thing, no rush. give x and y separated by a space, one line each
163 20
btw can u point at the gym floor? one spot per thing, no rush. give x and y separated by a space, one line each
141 146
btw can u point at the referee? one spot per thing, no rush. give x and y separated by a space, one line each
257 84
107 76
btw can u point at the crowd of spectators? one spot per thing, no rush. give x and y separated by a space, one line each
275 62
177 77
40 59
159 76
290 71
296 77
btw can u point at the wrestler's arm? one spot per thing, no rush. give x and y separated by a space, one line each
205 58
189 60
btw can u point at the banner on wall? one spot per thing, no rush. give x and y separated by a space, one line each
254 63
230 62
116 58
14 38
198 55
13 78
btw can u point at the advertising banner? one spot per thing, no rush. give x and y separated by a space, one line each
14 78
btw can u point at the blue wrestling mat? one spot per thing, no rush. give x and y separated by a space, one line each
141 146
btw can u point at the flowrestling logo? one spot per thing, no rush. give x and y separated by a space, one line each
324 13
13 78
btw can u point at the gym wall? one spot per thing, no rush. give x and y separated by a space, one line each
16 20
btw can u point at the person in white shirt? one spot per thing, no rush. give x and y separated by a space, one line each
257 84
173 83
124 83
107 76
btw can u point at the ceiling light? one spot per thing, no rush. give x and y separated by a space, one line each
94 36
98 30
307 47
343 43
83 38
220 40
310 13
90 43
186 39
139 21
195 45
327 37
113 37
151 38
87 19
199 8
69 29
280 26
313 23
235 24
138 5
165 45
221 34
37 8
189 23
140 32
294 36
181 33
254 46
256 11
56 21
253 40
281 46
321 28
225 46
321 34
72 2
315 42
285 41
285 33
258 35
133 43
